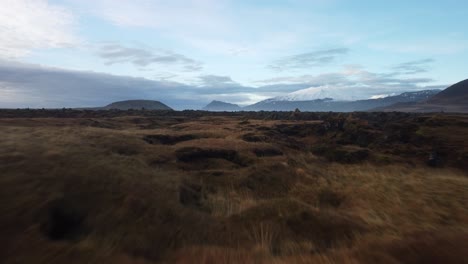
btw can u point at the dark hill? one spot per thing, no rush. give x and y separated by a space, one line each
453 99
221 106
137 104
457 93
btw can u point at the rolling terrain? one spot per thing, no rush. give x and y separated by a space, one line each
323 101
113 186
325 104
453 99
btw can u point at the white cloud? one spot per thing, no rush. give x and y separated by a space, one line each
27 25
357 83
114 53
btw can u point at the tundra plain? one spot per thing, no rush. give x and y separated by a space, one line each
82 186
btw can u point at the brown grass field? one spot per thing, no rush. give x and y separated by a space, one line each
196 187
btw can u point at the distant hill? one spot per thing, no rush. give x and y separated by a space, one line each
328 104
137 104
452 99
455 94
221 106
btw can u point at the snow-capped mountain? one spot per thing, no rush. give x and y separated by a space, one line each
319 99
418 95
317 93
380 96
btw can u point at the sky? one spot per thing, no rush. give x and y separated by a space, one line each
78 53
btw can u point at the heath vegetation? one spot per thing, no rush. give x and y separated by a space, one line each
266 187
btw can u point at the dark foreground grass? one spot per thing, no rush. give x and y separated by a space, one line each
225 190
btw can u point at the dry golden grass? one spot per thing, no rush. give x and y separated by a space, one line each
93 191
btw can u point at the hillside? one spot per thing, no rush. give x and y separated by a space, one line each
453 99
328 104
137 104
455 94
221 106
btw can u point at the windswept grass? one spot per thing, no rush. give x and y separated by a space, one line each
220 190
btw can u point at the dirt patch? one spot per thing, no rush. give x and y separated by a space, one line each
168 139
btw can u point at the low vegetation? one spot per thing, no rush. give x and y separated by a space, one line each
197 187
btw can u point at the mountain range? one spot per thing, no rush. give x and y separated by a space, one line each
326 104
452 99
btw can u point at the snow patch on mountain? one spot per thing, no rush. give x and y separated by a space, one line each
380 96
318 93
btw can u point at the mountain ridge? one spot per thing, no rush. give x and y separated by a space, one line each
452 99
328 104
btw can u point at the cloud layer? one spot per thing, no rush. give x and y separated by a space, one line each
26 85
115 53
413 67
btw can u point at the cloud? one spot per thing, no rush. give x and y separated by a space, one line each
28 25
216 80
325 78
353 80
28 85
115 53
310 59
413 67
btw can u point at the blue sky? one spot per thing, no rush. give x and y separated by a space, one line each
195 51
